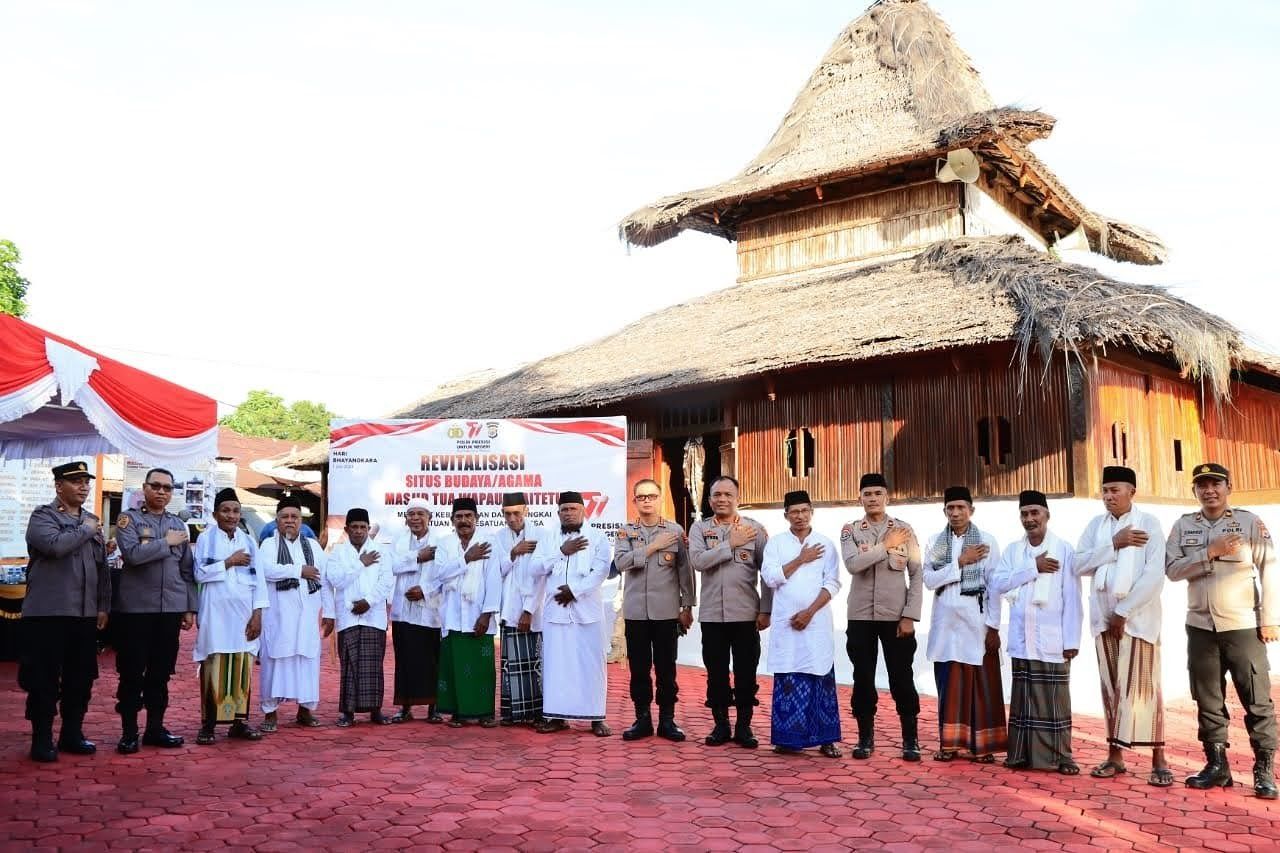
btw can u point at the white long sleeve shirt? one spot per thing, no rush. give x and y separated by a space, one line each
228 595
1096 556
409 573
958 625
350 580
449 577
813 649
1040 631
291 624
582 572
517 579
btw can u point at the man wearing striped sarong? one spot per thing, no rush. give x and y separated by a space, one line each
1038 573
514 544
964 634
1123 550
361 583
232 597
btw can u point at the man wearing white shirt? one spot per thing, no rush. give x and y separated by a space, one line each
514 544
415 621
232 597
569 568
294 569
964 634
1123 549
361 583
1038 572
802 567
466 576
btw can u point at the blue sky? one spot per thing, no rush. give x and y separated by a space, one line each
353 201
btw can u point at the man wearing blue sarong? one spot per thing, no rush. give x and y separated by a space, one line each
802 567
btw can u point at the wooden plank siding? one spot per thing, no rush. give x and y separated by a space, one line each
867 226
1244 435
928 436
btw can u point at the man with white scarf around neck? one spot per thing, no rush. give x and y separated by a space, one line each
1123 550
415 621
468 580
1044 637
572 563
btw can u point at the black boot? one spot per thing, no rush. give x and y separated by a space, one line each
720 732
1217 773
642 727
128 743
742 734
910 740
866 738
157 735
72 738
667 727
1264 778
42 742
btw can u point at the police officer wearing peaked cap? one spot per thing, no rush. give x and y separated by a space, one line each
1233 610
68 597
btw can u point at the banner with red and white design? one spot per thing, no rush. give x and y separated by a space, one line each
381 465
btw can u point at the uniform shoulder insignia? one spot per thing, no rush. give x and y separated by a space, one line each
1263 531
622 533
846 533
123 521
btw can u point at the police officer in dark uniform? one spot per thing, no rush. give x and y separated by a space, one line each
156 597
68 596
1233 610
657 603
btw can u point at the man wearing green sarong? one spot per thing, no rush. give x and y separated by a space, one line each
468 580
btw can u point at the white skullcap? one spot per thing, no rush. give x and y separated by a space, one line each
418 503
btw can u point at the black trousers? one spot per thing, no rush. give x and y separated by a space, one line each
741 642
146 653
1213 654
861 641
651 645
59 663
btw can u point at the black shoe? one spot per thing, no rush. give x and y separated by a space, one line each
720 733
641 728
911 750
76 745
162 738
128 744
1264 779
42 746
668 729
1216 773
743 736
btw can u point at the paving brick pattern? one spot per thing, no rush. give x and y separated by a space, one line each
431 787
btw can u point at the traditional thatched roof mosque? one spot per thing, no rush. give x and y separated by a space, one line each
896 271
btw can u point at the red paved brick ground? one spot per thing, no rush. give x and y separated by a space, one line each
431 787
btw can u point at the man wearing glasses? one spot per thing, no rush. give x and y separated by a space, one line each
657 603
155 598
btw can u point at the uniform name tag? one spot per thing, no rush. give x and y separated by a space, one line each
1192 540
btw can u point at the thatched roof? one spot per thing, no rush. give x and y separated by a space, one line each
894 88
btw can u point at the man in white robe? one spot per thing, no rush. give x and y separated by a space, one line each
466 576
1045 615
415 619
1123 550
572 565
294 569
802 567
360 584
233 595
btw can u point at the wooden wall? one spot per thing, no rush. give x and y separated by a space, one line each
918 425
868 226
1244 435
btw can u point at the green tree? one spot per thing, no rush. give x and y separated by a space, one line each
13 287
265 415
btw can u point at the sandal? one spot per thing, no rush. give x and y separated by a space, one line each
435 718
344 722
488 723
988 758
404 715
945 755
205 737
599 729
269 725
455 723
830 750
1107 770
1161 777
1016 765
308 722
243 732
786 750
552 726
1069 768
